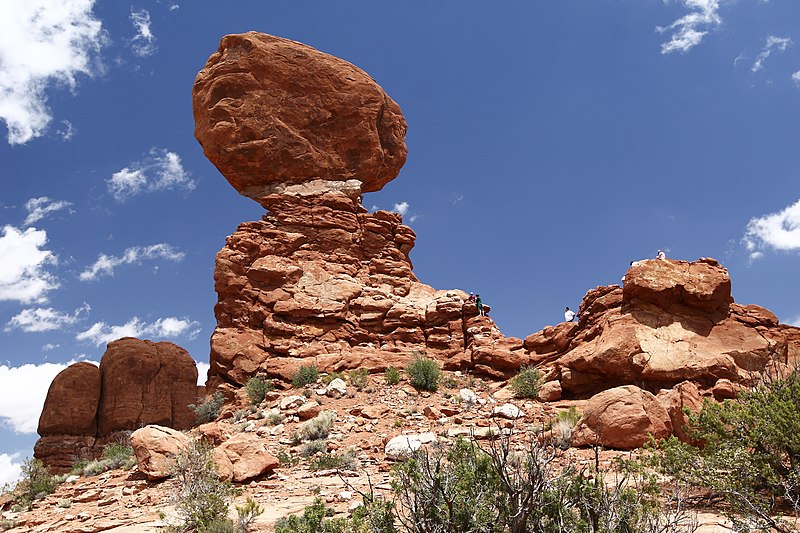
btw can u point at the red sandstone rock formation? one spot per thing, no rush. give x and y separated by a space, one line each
270 112
673 321
139 382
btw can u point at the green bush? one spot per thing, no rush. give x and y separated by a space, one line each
314 447
375 516
115 455
246 514
750 453
330 376
209 409
392 376
202 499
305 375
35 482
358 378
527 382
330 461
423 373
257 389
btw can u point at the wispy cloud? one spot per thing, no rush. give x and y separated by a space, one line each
23 270
43 44
160 170
106 264
775 231
143 43
456 197
170 328
796 78
773 43
38 208
23 390
67 131
41 319
795 321
689 30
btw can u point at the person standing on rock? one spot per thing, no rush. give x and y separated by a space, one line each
569 314
661 255
479 305
471 297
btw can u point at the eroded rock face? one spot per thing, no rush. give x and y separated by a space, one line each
270 112
144 383
674 321
71 404
139 382
319 280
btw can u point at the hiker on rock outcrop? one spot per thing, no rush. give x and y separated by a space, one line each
479 305
661 255
569 314
471 297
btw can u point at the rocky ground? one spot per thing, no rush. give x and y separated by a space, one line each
366 421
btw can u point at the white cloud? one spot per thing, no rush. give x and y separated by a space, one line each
42 44
10 469
779 43
42 319
401 208
67 131
171 327
38 208
23 390
174 7
202 372
23 274
796 78
50 347
160 170
105 264
776 231
689 30
144 42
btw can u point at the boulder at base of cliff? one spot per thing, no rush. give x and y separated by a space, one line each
622 418
155 448
243 457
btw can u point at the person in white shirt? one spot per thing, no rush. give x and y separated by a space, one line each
569 314
661 255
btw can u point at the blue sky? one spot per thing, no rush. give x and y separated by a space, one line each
550 143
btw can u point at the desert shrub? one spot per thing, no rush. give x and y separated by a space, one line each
561 428
257 389
527 382
318 427
330 376
314 447
201 499
375 516
35 482
358 378
750 454
246 514
392 376
209 409
423 373
305 375
273 418
115 455
494 489
329 461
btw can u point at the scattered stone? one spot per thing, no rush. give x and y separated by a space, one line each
509 411
468 396
337 388
550 392
291 402
309 410
243 457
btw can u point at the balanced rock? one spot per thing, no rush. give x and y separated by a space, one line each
622 418
272 113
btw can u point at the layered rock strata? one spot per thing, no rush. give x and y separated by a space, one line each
139 382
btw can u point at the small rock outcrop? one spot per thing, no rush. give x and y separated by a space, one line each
673 321
139 382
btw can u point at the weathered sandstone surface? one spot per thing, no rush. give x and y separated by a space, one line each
139 382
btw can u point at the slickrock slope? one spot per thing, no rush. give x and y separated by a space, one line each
139 382
673 321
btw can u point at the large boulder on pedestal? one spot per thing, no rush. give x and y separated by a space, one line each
271 112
